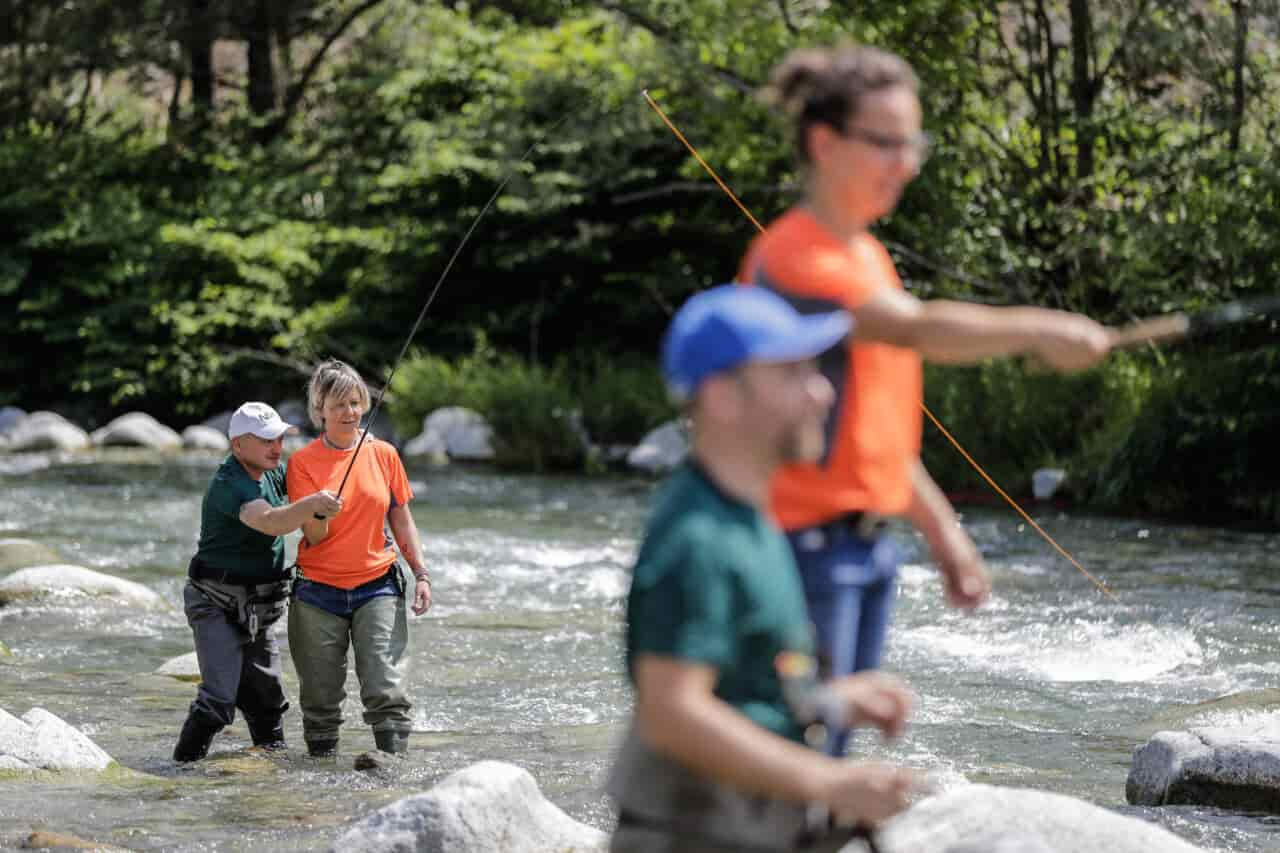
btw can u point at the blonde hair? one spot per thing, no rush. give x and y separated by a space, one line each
333 378
824 85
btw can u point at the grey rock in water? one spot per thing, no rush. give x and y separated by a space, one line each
136 429
465 433
430 446
661 450
1045 482
10 416
1235 767
489 806
220 422
21 553
201 437
46 431
41 741
184 667
74 582
294 412
986 818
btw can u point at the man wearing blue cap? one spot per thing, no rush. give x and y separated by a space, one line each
718 640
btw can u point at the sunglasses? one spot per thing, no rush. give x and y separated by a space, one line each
919 145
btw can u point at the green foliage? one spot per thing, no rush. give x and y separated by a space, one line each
621 400
159 255
530 408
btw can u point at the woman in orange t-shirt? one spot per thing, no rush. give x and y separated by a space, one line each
857 121
352 592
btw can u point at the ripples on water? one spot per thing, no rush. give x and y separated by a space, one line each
1050 686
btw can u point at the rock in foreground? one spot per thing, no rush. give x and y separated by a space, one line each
41 741
987 819
486 807
62 580
1235 767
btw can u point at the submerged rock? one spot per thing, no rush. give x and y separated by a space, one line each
661 450
136 429
1232 767
43 582
60 841
46 431
184 667
41 741
986 818
21 553
201 437
488 806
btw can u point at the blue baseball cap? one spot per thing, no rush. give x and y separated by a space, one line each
727 326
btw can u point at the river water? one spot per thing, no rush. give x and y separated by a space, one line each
1050 686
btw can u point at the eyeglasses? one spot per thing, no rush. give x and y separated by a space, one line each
919 145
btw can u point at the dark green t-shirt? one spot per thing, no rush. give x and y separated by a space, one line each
715 583
227 543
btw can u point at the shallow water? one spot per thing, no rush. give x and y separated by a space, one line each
1050 686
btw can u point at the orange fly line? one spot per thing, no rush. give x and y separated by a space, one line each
1063 551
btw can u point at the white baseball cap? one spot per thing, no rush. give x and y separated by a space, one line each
257 419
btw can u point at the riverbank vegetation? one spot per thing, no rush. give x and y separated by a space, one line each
201 198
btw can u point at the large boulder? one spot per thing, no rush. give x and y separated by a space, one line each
136 429
974 818
661 450
46 431
201 437
429 445
62 580
1235 767
293 412
488 806
21 553
220 422
465 433
41 741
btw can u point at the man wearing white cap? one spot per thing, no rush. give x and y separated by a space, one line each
238 584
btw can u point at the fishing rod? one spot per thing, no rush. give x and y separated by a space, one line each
1179 325
1016 506
510 173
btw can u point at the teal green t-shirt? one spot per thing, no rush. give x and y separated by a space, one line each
227 543
716 583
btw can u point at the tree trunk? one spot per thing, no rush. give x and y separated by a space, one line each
1083 86
200 50
1239 59
262 77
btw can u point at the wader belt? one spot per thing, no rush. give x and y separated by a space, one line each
252 605
657 794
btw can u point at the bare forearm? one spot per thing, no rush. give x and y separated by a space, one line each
929 510
405 532
711 738
280 520
962 333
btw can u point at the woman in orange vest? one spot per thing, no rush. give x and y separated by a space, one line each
857 121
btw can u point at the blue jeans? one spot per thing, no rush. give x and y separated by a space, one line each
848 584
345 602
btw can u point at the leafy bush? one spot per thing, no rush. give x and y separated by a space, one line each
621 400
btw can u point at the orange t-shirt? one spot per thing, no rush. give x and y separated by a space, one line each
874 428
358 548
